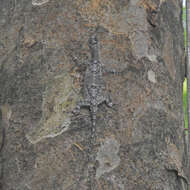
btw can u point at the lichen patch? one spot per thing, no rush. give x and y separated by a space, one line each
152 76
59 100
107 156
39 2
152 58
6 112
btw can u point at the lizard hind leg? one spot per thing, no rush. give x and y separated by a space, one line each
81 104
108 101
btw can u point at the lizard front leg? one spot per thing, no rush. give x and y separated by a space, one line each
76 61
106 99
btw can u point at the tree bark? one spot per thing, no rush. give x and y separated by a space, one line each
188 76
139 140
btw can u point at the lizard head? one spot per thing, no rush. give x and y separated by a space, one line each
93 40
95 62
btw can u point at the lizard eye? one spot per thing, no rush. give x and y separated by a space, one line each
93 40
93 86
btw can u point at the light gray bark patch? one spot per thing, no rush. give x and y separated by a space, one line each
152 76
152 58
39 2
107 156
59 99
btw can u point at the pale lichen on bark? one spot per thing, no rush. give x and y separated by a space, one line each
59 100
107 156
39 2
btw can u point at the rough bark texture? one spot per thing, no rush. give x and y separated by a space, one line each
139 142
188 76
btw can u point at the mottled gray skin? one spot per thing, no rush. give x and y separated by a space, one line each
94 87
94 95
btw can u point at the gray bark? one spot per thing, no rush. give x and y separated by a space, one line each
139 142
188 74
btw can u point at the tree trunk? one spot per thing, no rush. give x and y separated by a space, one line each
188 78
138 141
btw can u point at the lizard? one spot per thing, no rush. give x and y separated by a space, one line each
94 86
94 95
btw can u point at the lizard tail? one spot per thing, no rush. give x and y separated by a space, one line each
94 111
93 120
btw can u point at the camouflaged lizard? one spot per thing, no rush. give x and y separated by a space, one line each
94 95
94 87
